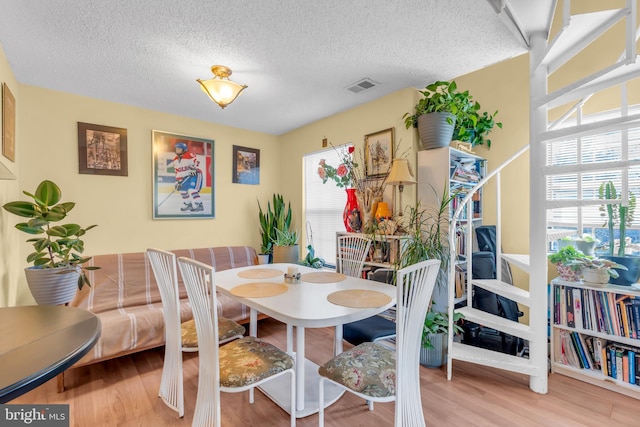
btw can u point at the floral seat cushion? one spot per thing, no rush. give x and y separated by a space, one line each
249 360
368 368
226 329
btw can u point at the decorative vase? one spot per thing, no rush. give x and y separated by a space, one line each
50 286
367 204
351 215
382 211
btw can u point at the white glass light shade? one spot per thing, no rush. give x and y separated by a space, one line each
220 89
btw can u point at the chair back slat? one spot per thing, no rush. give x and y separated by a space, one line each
352 252
415 286
199 281
163 264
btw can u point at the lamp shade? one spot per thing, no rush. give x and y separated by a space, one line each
220 89
400 174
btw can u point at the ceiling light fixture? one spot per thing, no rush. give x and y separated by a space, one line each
220 89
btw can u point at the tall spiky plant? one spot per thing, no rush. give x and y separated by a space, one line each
617 214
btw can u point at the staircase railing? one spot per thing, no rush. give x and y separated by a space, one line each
454 225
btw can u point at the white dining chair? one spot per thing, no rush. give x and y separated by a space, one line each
377 373
238 366
352 252
179 337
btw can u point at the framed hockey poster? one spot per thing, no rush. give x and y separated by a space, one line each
183 186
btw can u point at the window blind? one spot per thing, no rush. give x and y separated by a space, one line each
323 204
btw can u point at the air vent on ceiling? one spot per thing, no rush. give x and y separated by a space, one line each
362 85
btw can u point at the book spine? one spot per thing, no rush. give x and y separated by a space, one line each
619 366
571 321
611 361
577 308
632 367
625 368
579 351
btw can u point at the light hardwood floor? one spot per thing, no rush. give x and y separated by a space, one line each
123 392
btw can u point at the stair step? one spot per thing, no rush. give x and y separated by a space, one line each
519 260
507 290
496 322
592 128
582 30
611 76
492 359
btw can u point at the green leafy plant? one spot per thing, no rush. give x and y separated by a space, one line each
311 260
567 256
598 264
471 125
267 228
56 245
616 214
436 322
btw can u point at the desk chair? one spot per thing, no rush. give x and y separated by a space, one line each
179 337
246 363
369 369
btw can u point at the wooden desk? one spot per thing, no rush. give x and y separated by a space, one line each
304 305
38 342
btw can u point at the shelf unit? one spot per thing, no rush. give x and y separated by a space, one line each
455 172
585 319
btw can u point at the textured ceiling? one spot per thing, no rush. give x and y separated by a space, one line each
297 57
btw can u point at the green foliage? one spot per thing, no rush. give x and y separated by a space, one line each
598 264
56 245
436 322
567 256
471 125
616 214
275 225
311 260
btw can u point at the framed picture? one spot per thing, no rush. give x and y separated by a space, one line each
8 124
378 152
246 165
102 150
183 185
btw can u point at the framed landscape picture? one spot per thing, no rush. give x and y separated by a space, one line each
378 151
183 176
246 165
102 150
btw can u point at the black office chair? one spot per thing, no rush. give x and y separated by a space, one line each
375 328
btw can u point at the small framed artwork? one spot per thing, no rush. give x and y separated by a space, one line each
102 150
8 124
378 151
183 176
246 165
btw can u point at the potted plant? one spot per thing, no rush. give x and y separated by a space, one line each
587 244
434 337
267 232
445 113
621 215
285 241
565 262
598 271
57 260
311 260
566 241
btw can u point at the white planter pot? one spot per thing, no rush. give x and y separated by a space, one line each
263 258
595 276
49 286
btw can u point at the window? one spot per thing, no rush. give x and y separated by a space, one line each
598 157
323 204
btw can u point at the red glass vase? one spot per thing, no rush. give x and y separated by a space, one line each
351 215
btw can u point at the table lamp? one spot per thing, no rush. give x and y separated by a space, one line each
400 175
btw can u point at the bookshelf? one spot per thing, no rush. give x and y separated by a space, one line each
456 172
595 334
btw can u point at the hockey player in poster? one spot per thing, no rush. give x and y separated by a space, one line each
188 178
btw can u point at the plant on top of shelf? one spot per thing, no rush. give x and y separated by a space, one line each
565 261
606 265
616 214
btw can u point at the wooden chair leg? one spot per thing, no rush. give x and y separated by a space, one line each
60 381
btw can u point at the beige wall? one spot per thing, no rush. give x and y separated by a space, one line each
9 240
348 127
121 206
